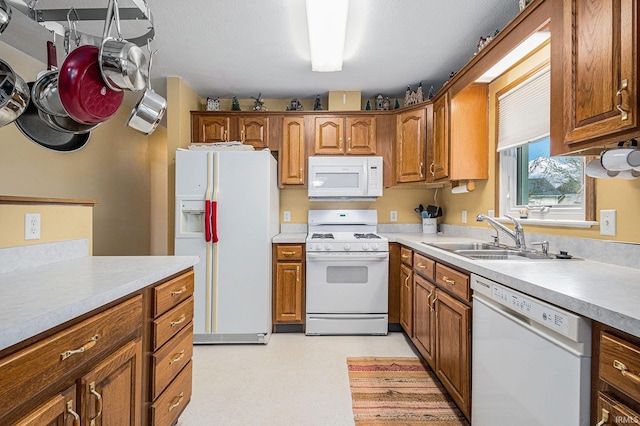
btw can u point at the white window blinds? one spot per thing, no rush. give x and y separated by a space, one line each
524 112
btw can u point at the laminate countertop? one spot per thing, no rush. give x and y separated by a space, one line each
603 292
36 299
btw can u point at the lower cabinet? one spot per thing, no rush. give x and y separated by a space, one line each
424 324
406 299
288 287
106 368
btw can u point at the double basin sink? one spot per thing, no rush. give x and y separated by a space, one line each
486 251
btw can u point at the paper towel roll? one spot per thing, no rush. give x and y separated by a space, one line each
460 189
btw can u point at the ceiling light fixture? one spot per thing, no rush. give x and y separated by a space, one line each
327 23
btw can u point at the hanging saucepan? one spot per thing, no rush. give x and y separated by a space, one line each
149 110
5 15
32 126
14 94
45 90
122 63
83 92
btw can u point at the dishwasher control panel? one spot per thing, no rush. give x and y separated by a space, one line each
531 308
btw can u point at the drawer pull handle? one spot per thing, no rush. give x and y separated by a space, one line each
92 390
76 417
429 298
177 402
180 320
178 358
624 115
422 266
91 343
448 280
604 419
625 372
404 256
179 292
289 253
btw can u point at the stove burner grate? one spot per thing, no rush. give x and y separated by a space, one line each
315 235
366 236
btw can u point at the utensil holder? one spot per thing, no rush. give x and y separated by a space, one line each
429 225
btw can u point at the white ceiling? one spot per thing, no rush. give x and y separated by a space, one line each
245 47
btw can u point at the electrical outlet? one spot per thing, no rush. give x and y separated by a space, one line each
32 226
608 222
393 216
464 216
287 216
491 213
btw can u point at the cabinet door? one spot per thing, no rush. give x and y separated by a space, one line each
59 411
600 66
292 153
254 130
411 139
329 135
469 141
361 135
210 129
453 353
406 299
287 294
423 318
439 152
111 393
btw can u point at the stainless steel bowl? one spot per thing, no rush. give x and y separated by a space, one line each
14 94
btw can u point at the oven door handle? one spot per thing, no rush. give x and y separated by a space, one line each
325 257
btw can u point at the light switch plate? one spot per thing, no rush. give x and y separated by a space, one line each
608 222
287 216
393 216
464 216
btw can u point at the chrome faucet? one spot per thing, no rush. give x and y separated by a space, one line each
517 234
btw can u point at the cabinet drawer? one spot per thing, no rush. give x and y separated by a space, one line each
169 294
170 323
29 371
424 266
168 361
453 281
612 412
620 364
406 256
167 408
289 252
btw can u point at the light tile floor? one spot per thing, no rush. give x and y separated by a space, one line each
293 380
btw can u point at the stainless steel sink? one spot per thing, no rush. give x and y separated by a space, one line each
486 251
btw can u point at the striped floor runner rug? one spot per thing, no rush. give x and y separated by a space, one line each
393 391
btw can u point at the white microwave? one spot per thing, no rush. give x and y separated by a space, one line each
344 177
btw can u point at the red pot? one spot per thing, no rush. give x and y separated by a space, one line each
83 93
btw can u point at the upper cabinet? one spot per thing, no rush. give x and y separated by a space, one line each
411 130
254 130
292 159
212 127
337 135
458 149
209 128
594 88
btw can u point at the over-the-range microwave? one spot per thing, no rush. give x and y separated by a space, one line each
345 177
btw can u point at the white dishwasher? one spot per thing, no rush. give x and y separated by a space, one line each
530 360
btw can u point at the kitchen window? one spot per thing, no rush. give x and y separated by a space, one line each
533 184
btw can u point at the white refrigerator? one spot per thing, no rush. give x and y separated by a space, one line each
227 212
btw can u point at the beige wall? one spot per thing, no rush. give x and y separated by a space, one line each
57 223
612 194
112 168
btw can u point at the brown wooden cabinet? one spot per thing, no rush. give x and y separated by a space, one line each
351 135
594 87
213 127
292 158
254 130
288 288
406 290
210 128
411 130
59 410
424 319
438 149
616 377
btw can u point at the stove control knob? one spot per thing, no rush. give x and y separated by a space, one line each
347 246
327 246
374 246
365 246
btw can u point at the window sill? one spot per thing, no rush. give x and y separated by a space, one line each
552 222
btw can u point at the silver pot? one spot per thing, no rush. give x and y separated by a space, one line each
123 64
44 93
5 15
150 109
14 94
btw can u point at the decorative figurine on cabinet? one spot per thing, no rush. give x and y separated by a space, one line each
411 97
317 104
235 105
368 106
386 104
295 105
213 104
396 105
258 104
379 102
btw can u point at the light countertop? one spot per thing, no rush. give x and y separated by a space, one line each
607 293
33 300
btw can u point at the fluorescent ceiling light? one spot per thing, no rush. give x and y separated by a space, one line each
522 50
327 23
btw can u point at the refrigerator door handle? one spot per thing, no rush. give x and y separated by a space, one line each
207 221
214 221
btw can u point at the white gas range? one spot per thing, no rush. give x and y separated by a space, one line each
347 273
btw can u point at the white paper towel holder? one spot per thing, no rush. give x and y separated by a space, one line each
458 187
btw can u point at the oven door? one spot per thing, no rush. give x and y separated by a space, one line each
347 282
